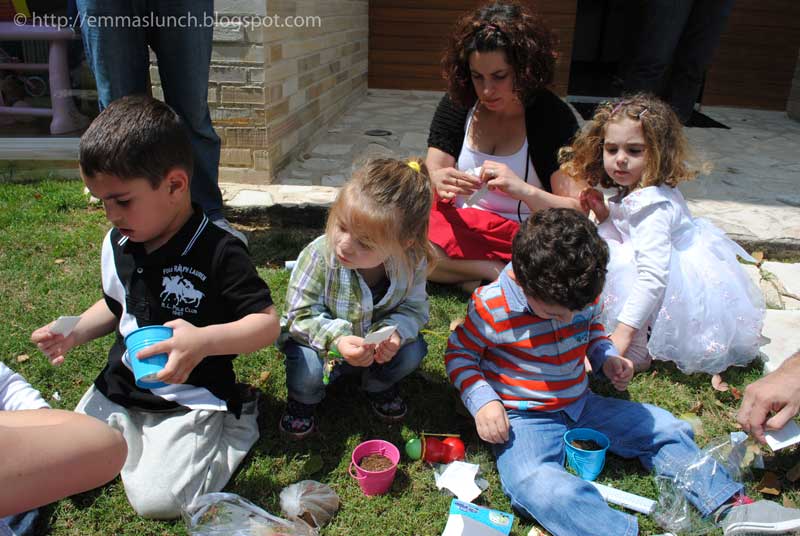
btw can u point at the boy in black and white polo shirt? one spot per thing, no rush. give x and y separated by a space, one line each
165 263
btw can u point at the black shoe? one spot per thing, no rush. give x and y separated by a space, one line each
388 405
297 422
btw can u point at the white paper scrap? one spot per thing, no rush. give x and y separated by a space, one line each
788 435
459 478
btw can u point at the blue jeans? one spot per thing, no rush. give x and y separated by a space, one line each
22 524
531 465
304 370
120 62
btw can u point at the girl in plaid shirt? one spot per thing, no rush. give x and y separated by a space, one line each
367 271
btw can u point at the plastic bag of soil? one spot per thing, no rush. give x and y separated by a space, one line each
309 500
227 514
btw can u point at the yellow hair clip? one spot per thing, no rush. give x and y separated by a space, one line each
413 164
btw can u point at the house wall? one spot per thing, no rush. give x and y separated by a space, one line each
281 71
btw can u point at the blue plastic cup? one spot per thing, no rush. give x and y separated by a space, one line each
145 370
587 463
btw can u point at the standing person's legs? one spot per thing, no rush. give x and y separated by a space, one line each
660 30
693 56
117 53
184 59
531 467
662 442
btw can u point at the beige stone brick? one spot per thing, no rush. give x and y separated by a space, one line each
255 138
228 33
277 110
223 73
261 160
239 116
235 157
275 53
280 70
255 76
237 53
212 94
243 95
275 92
289 87
241 7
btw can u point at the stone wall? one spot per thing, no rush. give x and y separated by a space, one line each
281 71
793 104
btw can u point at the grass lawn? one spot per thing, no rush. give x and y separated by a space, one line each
50 265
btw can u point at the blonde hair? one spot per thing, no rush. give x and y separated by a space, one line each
386 205
669 160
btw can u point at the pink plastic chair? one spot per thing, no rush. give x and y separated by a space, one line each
66 117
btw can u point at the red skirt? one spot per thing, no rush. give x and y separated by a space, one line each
471 233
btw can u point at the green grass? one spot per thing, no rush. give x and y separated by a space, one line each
49 265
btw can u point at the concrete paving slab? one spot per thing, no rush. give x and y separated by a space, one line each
783 328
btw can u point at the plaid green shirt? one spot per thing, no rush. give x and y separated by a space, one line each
325 301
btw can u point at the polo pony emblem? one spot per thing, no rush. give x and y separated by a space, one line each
178 291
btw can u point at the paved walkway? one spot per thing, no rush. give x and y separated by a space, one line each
753 194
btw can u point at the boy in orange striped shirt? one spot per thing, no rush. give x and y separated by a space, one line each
518 362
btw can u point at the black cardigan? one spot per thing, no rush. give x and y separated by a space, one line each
549 125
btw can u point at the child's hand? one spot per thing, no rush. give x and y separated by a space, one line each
619 370
54 345
593 200
492 422
387 349
355 352
186 348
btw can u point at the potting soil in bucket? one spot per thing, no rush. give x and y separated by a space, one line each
586 451
375 464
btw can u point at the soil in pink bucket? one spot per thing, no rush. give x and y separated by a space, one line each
375 462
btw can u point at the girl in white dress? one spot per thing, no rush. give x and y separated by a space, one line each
669 273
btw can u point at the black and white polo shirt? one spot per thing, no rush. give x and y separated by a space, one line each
202 275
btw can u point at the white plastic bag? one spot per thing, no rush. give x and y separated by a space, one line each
227 514
309 500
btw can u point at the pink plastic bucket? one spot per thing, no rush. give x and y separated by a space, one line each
374 482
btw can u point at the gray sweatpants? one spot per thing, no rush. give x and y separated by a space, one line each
175 456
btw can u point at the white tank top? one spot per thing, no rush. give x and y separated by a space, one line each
496 201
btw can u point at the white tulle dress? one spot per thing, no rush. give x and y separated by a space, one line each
679 276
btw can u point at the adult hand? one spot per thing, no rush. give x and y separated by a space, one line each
355 352
185 349
619 370
500 177
777 394
54 345
388 349
450 182
592 199
492 422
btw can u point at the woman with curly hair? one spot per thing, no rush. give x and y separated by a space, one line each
494 140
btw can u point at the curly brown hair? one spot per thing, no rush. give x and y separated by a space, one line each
669 158
529 45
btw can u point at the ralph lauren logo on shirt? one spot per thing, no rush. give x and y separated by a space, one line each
180 293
